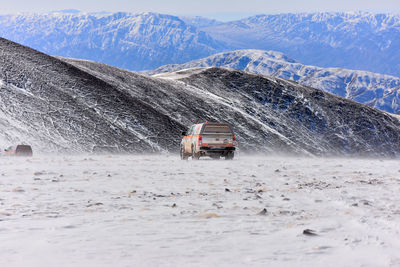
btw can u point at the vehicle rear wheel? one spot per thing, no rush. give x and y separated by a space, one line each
182 153
230 156
195 156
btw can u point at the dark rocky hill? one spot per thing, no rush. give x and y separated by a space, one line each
82 106
56 106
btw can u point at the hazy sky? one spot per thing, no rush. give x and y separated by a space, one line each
220 9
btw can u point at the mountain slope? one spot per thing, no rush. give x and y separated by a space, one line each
57 107
362 41
82 106
376 90
132 41
268 114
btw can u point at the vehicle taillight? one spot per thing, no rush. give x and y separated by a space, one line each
234 140
200 139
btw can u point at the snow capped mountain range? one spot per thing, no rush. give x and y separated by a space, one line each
82 106
354 40
131 41
376 90
362 41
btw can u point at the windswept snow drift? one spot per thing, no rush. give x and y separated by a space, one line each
161 211
77 106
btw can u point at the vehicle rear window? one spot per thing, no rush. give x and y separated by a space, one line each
217 129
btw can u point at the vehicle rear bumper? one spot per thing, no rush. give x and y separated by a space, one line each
216 149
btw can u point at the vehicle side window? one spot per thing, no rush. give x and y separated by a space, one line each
190 132
198 129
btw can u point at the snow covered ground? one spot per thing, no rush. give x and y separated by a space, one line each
114 210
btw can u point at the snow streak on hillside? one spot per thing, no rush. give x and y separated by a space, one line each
376 90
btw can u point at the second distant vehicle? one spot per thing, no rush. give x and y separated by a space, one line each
19 150
208 139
